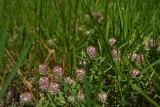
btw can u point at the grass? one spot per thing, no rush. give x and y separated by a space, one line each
73 26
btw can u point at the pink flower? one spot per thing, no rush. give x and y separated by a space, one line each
111 41
91 52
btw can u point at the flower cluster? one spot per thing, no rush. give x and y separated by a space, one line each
102 97
82 62
149 44
69 81
135 73
116 55
71 99
80 73
43 83
49 42
136 57
58 70
91 52
42 69
25 97
53 88
81 96
111 41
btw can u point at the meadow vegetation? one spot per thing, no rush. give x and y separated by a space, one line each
73 53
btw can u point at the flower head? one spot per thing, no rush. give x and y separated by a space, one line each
25 97
135 73
80 73
71 99
91 52
116 55
82 62
58 70
43 83
68 80
42 69
149 44
96 15
53 88
86 17
49 42
111 41
81 96
102 97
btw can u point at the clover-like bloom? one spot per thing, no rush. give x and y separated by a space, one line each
81 96
116 55
102 96
49 42
25 97
58 70
42 69
111 41
91 52
149 44
71 99
53 88
80 73
43 83
86 17
69 80
135 73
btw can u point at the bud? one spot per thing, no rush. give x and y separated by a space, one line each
25 97
43 83
53 88
42 69
102 97
91 52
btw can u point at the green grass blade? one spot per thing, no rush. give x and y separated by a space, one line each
145 95
150 66
87 91
14 71
2 41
